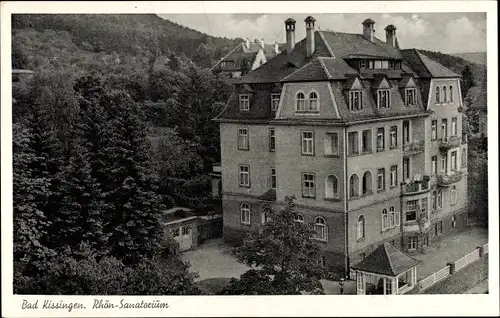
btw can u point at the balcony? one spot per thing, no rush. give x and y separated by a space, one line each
416 187
422 223
413 148
447 180
446 144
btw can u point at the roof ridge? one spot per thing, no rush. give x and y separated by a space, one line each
422 61
324 68
325 42
389 257
299 69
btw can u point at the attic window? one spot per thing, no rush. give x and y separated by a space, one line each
383 98
356 100
391 64
410 96
362 64
275 100
244 102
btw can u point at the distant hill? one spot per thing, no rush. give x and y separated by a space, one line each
476 57
133 35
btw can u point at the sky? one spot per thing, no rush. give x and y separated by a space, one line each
444 32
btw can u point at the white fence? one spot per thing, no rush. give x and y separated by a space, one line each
467 259
445 272
434 278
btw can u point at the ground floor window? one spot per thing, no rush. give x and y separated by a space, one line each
425 240
412 242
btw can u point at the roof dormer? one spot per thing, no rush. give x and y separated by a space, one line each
381 82
353 83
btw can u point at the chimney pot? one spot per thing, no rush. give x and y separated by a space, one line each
310 45
247 43
290 34
276 48
390 35
369 29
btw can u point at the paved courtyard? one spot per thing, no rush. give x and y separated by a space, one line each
450 249
214 259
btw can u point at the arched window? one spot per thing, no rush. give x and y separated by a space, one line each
385 220
445 97
453 195
313 101
361 227
321 229
392 217
434 200
438 96
245 213
298 217
440 199
354 186
332 187
300 101
451 93
367 183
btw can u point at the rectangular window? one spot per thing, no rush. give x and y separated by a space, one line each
454 126
362 64
370 64
273 178
366 141
272 139
453 221
434 166
244 176
406 132
464 157
355 100
378 64
444 163
275 101
243 138
410 96
353 143
308 187
394 176
244 102
383 98
394 136
385 64
423 208
440 227
411 210
444 129
454 164
406 168
391 64
412 242
434 129
308 143
331 144
397 65
380 139
436 232
381 179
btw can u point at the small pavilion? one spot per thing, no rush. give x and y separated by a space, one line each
386 271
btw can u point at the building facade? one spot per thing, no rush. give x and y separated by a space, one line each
368 137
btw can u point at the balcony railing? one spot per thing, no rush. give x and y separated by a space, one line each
446 144
413 148
415 187
447 180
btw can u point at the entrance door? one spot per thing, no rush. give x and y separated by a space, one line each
186 239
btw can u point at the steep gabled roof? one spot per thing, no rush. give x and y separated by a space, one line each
387 260
424 66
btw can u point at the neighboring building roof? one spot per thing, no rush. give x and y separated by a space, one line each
424 66
270 195
387 260
241 51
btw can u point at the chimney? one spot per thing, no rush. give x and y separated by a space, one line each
310 46
290 34
276 48
368 29
262 43
247 43
390 35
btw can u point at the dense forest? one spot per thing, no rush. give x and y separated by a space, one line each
114 127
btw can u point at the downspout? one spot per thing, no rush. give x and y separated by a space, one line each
346 206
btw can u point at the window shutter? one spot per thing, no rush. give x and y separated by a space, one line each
397 218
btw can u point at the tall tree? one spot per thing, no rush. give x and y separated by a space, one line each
285 259
131 187
467 80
